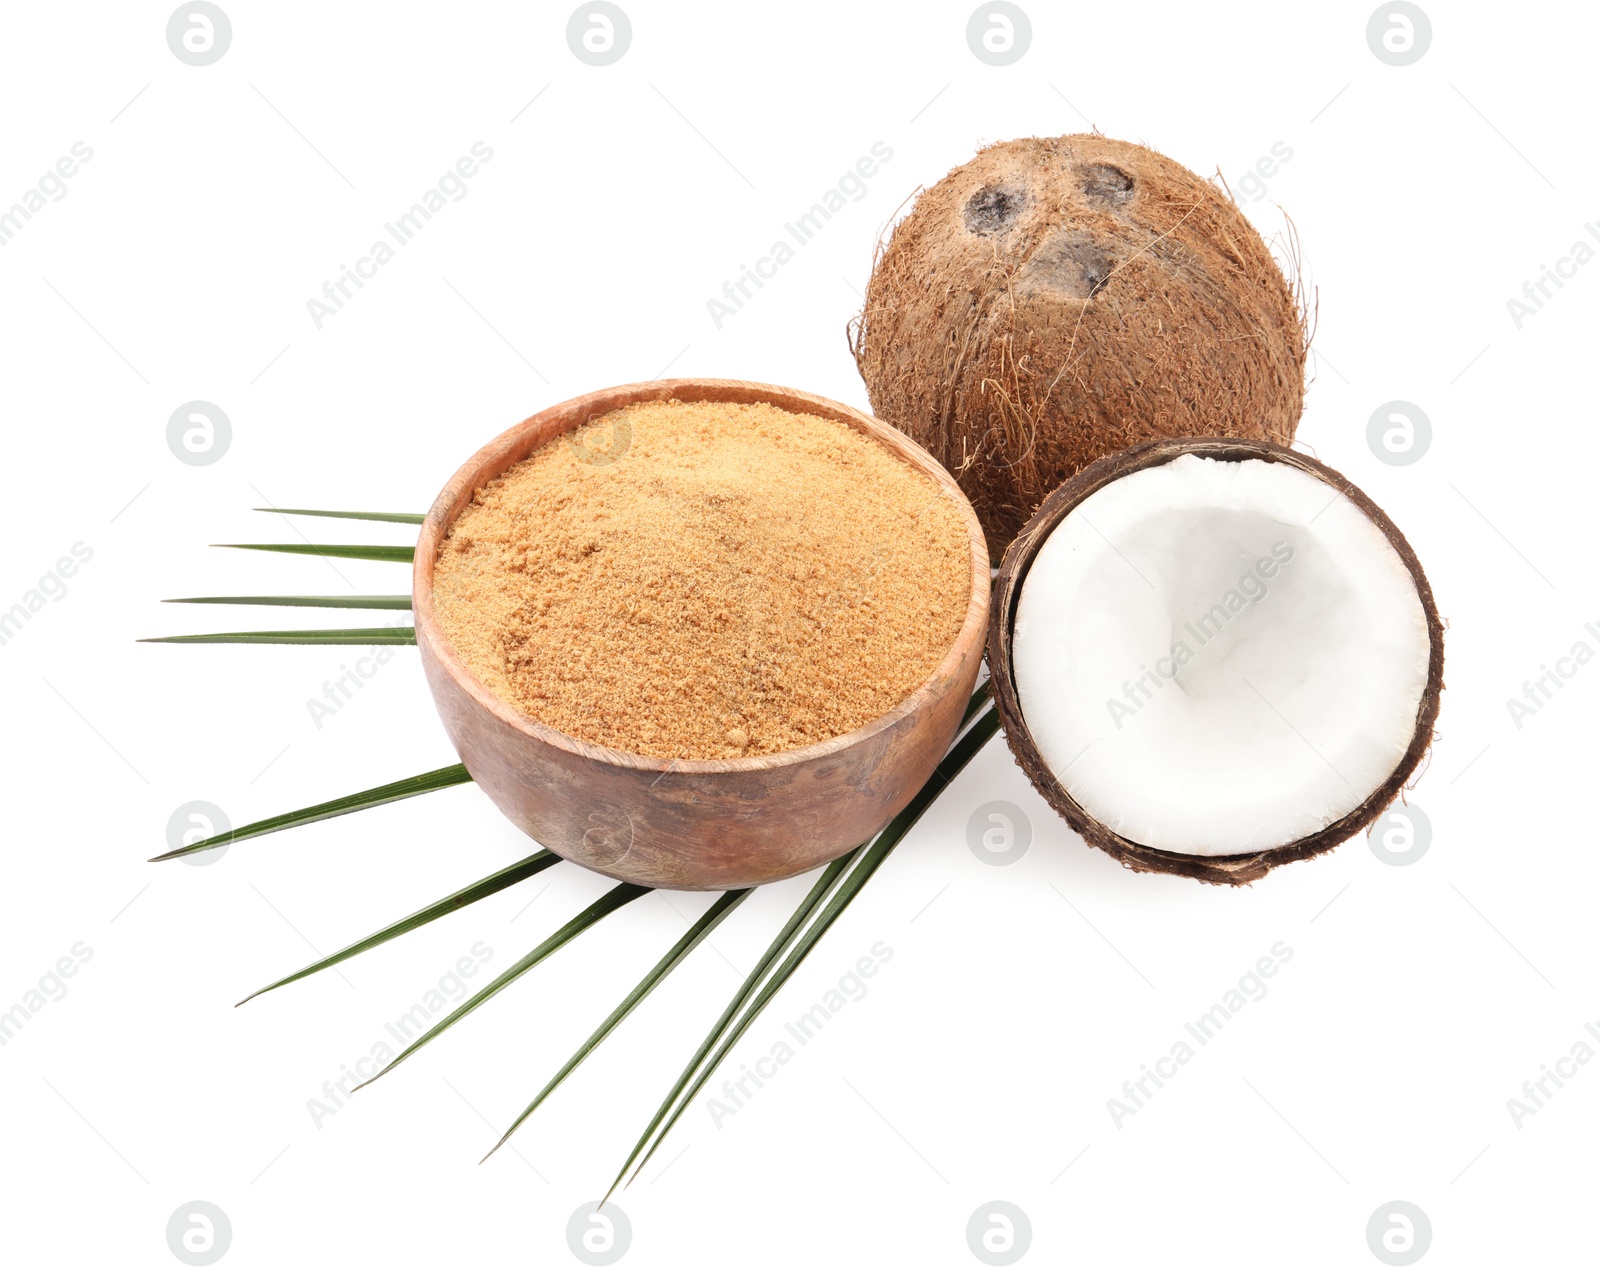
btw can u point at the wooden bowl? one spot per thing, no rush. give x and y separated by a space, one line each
1234 870
702 824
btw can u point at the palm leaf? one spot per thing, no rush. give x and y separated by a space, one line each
359 636
392 554
482 889
389 517
606 904
775 949
867 861
396 602
410 787
709 920
779 944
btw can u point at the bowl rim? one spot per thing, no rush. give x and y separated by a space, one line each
522 439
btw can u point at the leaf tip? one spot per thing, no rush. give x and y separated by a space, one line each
166 855
358 1087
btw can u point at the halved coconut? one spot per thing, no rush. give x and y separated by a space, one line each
1215 656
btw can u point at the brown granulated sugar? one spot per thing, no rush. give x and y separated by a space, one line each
741 580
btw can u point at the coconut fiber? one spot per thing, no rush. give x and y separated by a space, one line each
1058 299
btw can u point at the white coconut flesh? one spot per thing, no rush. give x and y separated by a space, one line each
1219 658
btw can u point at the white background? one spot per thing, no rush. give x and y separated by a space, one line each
177 267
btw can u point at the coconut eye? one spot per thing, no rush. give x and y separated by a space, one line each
1070 264
1106 184
993 209
1049 220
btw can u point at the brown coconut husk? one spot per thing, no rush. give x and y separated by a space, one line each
1220 869
1056 299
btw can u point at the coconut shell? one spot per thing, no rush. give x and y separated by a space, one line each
1056 299
1019 557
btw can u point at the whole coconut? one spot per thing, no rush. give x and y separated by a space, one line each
1057 299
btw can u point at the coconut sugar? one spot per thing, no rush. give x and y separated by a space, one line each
705 580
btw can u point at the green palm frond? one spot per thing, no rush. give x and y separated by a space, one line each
390 554
410 787
359 636
481 889
388 517
866 861
775 949
618 896
693 937
835 888
395 602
